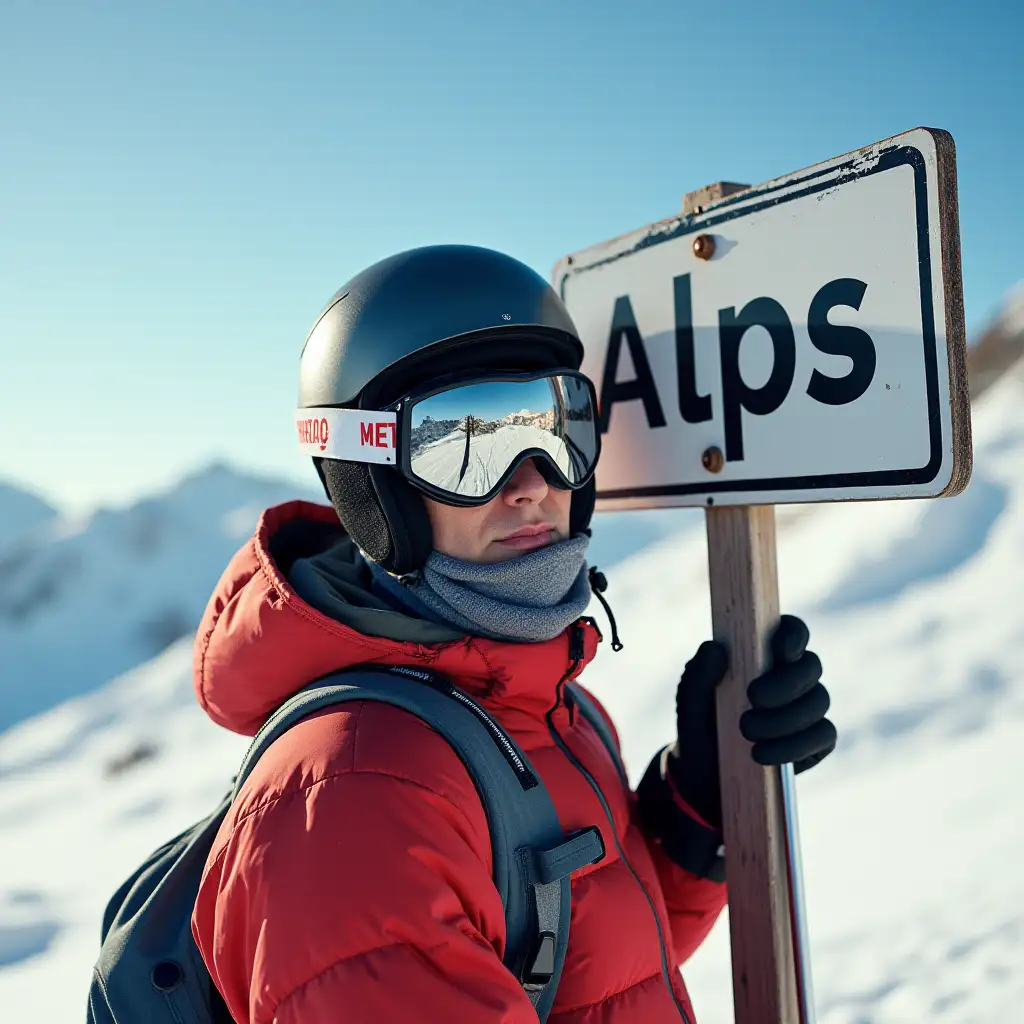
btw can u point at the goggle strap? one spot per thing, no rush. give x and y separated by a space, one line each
354 435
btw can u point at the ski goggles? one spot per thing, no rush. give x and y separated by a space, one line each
461 442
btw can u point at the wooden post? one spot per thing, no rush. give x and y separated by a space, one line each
745 610
694 202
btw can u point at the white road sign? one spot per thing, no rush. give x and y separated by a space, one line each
802 340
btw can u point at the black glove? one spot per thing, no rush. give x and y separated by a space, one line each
786 722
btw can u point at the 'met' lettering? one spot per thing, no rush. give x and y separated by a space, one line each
377 435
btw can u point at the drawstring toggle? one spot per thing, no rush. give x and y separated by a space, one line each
599 584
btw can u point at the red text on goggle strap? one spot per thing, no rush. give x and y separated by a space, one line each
377 435
313 432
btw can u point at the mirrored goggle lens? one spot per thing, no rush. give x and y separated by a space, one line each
462 441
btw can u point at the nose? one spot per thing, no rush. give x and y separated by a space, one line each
526 486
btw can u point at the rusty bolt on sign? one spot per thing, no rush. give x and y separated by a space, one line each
704 247
713 460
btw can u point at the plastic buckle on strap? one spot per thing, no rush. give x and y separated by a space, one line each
540 967
579 849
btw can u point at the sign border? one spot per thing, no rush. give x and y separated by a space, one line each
817 179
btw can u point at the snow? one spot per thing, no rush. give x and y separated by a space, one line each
912 831
82 600
441 462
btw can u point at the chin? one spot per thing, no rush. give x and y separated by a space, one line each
515 549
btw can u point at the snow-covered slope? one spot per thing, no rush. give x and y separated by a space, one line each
913 831
86 790
82 601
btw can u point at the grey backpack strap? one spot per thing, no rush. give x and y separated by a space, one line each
589 710
533 858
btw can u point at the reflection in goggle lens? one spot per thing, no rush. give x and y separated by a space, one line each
463 440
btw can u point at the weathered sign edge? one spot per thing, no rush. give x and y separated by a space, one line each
855 164
956 331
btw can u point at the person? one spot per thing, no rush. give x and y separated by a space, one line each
441 400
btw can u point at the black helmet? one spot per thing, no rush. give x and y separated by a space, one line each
411 318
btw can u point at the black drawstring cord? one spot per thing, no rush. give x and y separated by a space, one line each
599 584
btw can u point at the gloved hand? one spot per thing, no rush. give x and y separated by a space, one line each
786 722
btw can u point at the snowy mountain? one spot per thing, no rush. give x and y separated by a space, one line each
912 830
21 512
999 346
541 420
82 601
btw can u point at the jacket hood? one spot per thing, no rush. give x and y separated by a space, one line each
259 641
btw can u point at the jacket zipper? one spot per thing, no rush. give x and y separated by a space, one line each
576 652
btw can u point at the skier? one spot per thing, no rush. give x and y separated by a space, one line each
352 877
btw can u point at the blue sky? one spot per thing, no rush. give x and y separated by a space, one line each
184 185
488 401
495 400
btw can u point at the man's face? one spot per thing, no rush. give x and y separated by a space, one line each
526 515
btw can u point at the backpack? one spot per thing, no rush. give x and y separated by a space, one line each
149 967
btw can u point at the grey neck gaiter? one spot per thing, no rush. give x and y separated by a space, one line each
532 597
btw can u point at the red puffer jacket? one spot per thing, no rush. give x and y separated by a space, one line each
351 880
